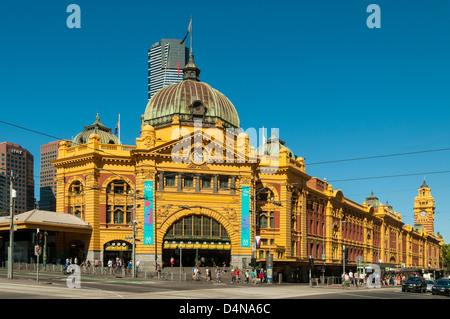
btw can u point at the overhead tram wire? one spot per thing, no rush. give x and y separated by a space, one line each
386 176
314 163
379 156
48 135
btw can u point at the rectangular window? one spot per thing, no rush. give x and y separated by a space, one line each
188 182
178 228
197 225
215 228
206 181
206 227
272 220
170 180
187 226
223 182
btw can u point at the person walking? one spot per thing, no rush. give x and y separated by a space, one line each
217 273
361 278
350 277
233 276
247 275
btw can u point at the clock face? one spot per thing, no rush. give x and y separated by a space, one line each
197 157
423 213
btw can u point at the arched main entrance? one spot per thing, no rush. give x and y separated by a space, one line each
204 241
115 250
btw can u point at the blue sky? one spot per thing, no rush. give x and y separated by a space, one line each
334 88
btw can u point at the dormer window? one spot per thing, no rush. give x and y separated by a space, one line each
198 108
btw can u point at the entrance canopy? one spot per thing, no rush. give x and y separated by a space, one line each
50 221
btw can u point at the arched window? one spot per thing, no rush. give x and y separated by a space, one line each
265 195
76 188
197 227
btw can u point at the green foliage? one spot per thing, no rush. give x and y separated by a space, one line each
446 255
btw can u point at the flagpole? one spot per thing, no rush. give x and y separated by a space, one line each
119 131
191 34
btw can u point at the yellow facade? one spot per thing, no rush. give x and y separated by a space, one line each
295 215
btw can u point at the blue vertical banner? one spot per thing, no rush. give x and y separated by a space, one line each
245 216
148 213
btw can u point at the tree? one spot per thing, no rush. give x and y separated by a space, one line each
446 256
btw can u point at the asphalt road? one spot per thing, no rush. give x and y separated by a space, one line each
55 286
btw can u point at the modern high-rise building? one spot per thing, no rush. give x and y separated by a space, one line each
16 158
166 61
47 185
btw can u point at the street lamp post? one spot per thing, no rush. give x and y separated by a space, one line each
12 194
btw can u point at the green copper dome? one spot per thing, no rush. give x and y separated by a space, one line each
272 146
106 137
189 100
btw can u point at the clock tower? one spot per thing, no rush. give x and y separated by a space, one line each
424 209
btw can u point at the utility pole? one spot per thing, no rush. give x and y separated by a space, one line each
181 258
12 194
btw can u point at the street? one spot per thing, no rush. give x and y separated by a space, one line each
54 286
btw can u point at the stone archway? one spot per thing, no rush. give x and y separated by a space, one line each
206 237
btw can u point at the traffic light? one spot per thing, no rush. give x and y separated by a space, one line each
40 238
253 262
311 262
346 255
177 251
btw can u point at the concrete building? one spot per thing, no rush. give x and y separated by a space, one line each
47 183
166 60
18 159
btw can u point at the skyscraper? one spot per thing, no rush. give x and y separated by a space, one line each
16 158
47 185
166 60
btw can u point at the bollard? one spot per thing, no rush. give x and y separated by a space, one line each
280 278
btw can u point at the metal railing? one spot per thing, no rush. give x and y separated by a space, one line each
120 272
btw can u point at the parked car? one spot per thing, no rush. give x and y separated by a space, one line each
430 284
415 284
441 287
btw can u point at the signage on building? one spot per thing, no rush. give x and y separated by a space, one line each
148 213
14 151
245 216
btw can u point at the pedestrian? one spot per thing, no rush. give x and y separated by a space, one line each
361 278
347 280
350 277
110 263
208 274
172 261
237 272
261 276
217 273
96 263
253 274
233 276
246 276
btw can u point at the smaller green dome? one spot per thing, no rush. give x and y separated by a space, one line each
272 146
106 137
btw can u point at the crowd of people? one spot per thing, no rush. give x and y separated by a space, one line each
358 279
236 275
